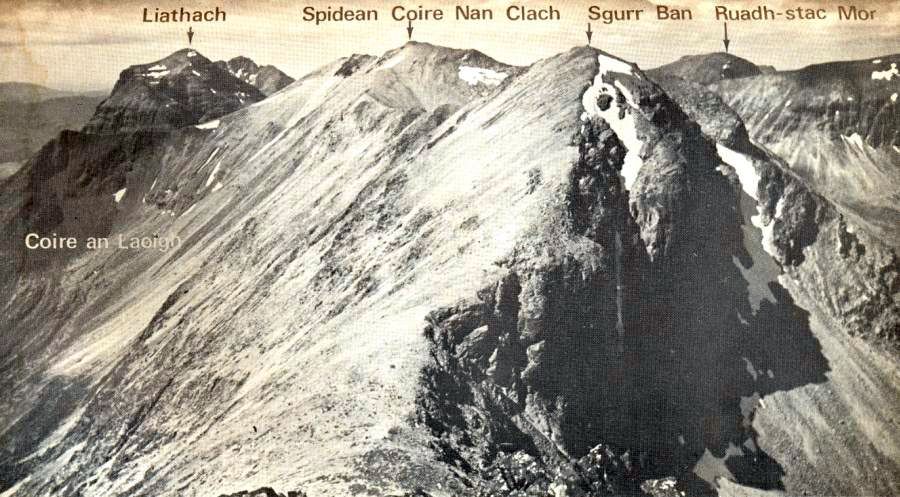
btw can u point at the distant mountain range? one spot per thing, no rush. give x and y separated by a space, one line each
836 125
432 274
31 115
31 93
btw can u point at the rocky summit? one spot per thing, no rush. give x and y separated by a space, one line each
268 79
182 89
432 274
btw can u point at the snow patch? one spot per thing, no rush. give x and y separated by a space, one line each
779 208
886 75
217 187
612 64
189 209
625 127
876 61
743 166
213 91
212 175
196 73
208 125
192 54
476 75
252 79
854 139
768 230
119 195
393 61
268 144
209 159
894 98
157 71
768 233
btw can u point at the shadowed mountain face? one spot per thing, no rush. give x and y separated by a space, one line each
183 89
836 126
268 79
431 273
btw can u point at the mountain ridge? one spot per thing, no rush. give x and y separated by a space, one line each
835 124
397 284
268 79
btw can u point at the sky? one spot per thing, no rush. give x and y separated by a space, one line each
83 44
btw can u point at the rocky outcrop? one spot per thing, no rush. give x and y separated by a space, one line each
837 126
268 79
717 120
842 265
514 375
182 89
595 321
851 273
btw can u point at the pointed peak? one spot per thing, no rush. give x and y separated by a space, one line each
181 89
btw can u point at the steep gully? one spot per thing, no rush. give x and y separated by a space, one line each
643 346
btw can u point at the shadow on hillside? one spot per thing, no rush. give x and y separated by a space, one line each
736 336
57 400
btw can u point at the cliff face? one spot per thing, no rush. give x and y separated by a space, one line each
804 231
852 273
430 273
834 125
844 278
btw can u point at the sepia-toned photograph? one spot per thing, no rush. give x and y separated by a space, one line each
493 248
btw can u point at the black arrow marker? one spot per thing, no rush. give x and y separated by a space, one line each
726 40
409 29
190 34
589 33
